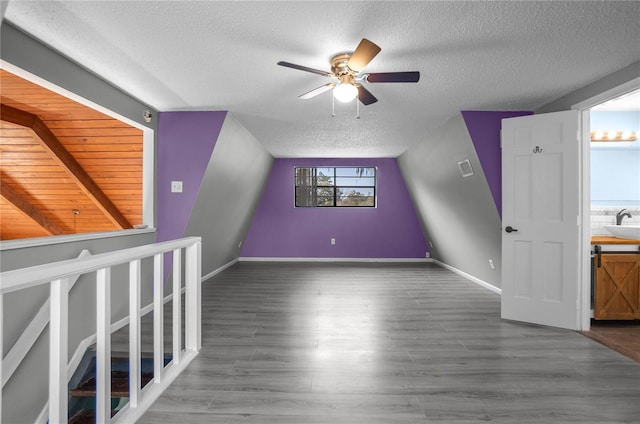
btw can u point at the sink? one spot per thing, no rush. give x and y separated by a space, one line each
624 231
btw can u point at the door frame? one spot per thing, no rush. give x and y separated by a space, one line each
584 126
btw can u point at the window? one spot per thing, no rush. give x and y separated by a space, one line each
340 187
91 169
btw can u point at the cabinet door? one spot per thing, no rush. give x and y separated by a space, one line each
617 291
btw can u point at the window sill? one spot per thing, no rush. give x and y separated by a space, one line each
70 238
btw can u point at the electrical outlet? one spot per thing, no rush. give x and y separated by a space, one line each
176 186
427 255
333 241
491 264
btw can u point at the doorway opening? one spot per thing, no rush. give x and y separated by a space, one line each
584 107
613 146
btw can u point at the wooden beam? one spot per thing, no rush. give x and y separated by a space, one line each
61 155
24 206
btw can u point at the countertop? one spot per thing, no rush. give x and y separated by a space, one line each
612 240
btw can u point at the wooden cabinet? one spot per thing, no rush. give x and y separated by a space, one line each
617 286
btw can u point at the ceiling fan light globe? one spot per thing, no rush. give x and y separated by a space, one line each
345 92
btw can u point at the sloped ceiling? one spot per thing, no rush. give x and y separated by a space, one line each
218 55
57 157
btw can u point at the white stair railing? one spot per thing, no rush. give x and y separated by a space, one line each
57 276
30 335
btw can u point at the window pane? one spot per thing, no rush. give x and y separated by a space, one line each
324 201
356 196
304 196
328 172
303 176
324 178
355 172
325 191
356 181
355 191
356 201
314 176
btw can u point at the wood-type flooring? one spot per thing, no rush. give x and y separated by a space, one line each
389 344
621 336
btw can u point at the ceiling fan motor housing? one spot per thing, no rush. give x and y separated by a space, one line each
339 64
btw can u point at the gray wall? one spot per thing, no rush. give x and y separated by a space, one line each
231 189
29 54
26 392
603 84
3 8
458 214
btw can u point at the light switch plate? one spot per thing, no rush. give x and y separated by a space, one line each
176 186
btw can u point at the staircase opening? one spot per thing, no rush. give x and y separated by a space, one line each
82 386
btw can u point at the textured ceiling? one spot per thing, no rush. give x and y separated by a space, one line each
211 55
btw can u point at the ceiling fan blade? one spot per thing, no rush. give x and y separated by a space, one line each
363 54
317 91
305 68
365 96
394 77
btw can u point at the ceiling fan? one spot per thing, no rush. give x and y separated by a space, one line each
347 68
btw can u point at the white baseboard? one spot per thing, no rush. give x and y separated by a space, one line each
219 270
470 277
288 259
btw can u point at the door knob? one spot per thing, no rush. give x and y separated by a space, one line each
510 229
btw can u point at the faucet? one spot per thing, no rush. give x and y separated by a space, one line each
620 215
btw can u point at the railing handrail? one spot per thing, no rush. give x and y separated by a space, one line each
23 278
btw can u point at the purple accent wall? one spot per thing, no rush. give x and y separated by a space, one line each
185 144
484 130
391 230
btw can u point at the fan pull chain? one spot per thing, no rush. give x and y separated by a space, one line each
358 106
333 106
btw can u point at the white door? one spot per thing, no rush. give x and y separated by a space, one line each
540 209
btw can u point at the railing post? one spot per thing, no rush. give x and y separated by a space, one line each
134 333
103 345
177 305
193 294
58 351
158 317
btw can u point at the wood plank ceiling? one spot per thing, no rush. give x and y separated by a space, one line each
64 168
